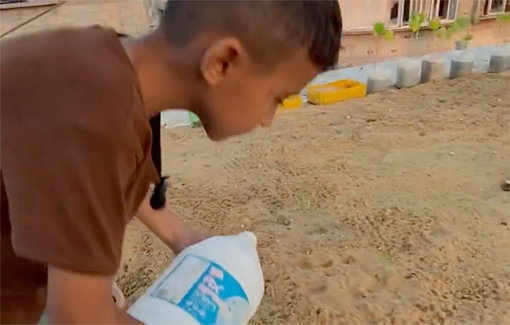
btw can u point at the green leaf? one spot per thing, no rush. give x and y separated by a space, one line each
379 29
389 35
435 24
461 23
503 17
415 21
445 33
441 33
450 32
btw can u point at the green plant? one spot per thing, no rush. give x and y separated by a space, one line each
503 20
503 17
381 32
462 24
416 21
445 33
435 26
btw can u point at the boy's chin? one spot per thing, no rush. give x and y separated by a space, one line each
221 134
214 135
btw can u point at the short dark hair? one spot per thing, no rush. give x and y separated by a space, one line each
269 29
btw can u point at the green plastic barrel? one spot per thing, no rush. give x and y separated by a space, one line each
194 121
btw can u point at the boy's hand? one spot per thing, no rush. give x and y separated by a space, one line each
189 236
169 227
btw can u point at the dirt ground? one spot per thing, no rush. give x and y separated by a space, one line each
383 210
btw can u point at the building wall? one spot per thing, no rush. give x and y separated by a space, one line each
137 16
127 16
360 15
360 46
363 48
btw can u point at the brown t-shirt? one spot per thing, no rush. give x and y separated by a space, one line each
75 159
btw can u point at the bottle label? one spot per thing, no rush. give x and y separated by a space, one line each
206 291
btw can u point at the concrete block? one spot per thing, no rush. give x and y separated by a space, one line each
432 69
499 62
461 45
378 80
462 65
408 73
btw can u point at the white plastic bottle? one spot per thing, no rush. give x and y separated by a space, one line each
216 282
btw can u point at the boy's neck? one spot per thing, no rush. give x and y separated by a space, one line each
161 86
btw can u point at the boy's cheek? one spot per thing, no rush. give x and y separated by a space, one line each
230 127
236 115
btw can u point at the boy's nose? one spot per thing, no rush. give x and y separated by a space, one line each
268 119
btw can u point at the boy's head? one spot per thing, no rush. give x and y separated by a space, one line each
249 55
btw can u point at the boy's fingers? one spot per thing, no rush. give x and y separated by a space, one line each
118 296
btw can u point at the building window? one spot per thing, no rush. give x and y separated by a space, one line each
446 10
493 7
360 15
10 4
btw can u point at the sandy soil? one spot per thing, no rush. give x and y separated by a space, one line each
384 210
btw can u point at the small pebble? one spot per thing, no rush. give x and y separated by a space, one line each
283 221
505 185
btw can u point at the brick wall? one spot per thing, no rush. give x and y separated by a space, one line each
127 16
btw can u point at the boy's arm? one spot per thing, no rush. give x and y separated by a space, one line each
78 298
66 189
169 227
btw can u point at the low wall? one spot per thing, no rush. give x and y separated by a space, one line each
480 55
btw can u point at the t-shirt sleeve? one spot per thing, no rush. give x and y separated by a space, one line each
65 185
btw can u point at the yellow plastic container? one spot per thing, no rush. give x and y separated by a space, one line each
292 102
336 91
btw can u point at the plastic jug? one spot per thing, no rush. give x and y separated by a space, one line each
216 282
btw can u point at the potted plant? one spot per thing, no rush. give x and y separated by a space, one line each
408 70
462 24
500 59
416 21
445 33
432 66
379 79
503 21
381 33
435 26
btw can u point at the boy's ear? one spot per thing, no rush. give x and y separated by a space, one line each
219 59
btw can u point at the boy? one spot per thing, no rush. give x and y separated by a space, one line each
76 138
